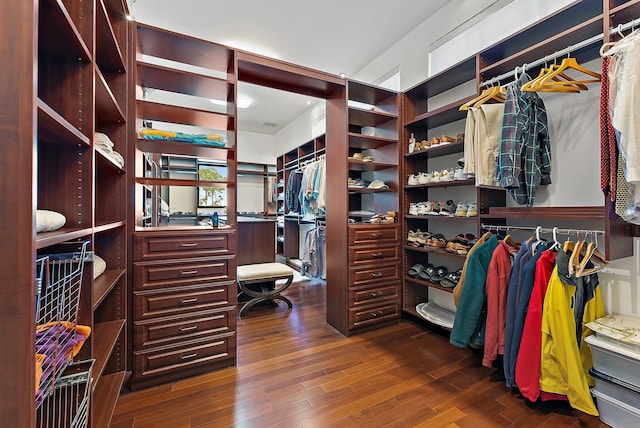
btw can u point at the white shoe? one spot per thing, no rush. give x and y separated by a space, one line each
424 178
413 180
447 175
459 174
413 208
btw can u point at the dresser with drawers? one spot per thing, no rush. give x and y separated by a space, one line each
184 303
374 274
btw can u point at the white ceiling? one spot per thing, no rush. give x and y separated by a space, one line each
335 36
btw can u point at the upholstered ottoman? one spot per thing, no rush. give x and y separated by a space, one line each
260 282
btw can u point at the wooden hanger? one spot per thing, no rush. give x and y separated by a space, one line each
495 93
568 85
546 84
593 255
574 260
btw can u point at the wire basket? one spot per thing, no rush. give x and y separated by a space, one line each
68 405
58 339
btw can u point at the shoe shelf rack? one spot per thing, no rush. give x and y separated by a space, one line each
426 116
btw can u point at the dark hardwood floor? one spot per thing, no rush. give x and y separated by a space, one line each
294 370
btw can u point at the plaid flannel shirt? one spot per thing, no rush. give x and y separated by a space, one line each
524 160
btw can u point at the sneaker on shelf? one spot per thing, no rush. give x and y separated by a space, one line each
472 209
424 208
413 208
460 138
434 208
425 178
413 180
448 208
461 162
459 174
436 176
461 209
447 175
367 158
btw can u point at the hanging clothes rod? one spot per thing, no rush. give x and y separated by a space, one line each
544 60
623 27
506 228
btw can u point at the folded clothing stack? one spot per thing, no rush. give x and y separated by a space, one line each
105 145
215 140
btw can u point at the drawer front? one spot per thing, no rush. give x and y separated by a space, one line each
157 332
363 235
361 317
153 304
183 357
374 274
362 256
177 245
372 295
161 274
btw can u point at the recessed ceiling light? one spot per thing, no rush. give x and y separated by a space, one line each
343 76
244 102
130 18
218 102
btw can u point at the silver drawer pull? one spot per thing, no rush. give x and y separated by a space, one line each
192 327
190 244
192 300
189 272
378 294
376 235
377 314
186 357
377 274
376 255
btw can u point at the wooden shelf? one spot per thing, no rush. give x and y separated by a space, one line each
58 34
467 182
457 74
103 285
552 44
438 150
362 117
370 94
47 239
445 217
108 54
182 115
161 43
102 159
178 182
428 284
184 82
433 250
107 108
356 165
624 13
105 397
107 226
360 141
178 148
105 335
559 213
53 128
367 190
441 116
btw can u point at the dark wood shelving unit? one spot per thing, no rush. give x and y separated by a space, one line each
105 334
68 42
451 183
53 127
106 393
359 141
49 239
426 283
103 285
185 115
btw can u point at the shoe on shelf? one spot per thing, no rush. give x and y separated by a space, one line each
472 209
415 270
435 141
460 138
412 238
427 272
425 178
451 279
367 158
448 208
446 139
436 176
413 208
461 209
434 208
424 208
424 144
413 180
439 273
461 162
447 175
459 174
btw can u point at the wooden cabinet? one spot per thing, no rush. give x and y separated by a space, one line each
67 78
184 304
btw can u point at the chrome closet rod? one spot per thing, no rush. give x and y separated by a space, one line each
540 229
546 59
624 27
